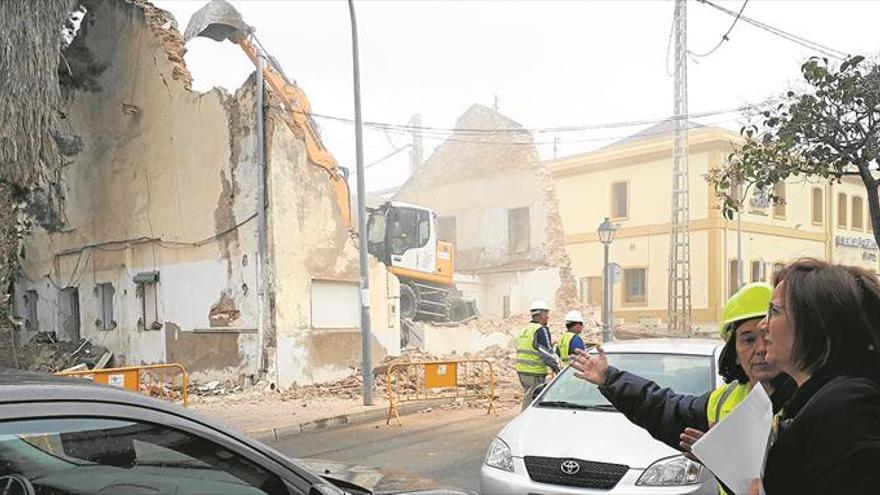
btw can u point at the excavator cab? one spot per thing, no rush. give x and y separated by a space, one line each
403 236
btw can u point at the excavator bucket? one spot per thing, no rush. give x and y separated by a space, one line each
217 20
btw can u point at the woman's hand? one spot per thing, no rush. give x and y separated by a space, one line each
687 439
590 368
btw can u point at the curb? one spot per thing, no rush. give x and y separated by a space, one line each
335 422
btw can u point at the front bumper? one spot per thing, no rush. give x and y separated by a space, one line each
498 482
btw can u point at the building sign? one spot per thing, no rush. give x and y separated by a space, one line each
856 242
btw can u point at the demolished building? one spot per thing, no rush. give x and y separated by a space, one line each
497 204
157 259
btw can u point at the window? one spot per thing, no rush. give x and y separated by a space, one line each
410 229
760 201
620 200
732 277
335 304
758 271
148 293
634 284
105 293
779 207
777 267
519 229
818 217
31 321
128 457
858 220
447 229
842 206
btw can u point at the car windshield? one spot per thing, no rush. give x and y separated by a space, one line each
685 374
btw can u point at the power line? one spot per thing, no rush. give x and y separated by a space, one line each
812 45
447 131
389 155
724 36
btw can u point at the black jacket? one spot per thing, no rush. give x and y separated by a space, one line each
661 411
664 413
829 437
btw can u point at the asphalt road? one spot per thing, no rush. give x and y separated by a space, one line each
445 446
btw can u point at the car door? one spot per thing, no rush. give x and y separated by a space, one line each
85 448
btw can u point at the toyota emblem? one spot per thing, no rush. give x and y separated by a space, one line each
570 467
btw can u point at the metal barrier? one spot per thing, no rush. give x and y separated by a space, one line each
420 381
157 380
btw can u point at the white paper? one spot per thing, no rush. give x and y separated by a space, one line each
734 449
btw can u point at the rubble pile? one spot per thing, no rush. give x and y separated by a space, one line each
47 354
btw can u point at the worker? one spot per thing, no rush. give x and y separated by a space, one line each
534 354
742 363
571 340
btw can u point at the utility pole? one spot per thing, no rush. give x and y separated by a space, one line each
679 303
417 152
366 334
262 251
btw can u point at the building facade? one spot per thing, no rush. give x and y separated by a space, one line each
630 182
157 261
495 202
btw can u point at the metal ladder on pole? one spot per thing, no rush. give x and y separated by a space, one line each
679 303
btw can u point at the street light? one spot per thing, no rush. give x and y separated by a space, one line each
606 232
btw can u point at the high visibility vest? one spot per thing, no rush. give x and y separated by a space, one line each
564 344
528 359
722 400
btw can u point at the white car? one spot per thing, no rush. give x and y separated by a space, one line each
571 440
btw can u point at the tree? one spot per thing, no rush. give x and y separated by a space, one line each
31 122
826 132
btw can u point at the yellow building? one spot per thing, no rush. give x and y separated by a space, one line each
630 182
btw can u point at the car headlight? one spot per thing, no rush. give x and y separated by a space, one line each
672 471
499 456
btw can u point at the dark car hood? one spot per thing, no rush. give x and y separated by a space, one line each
377 480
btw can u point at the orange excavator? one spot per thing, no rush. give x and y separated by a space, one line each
220 21
402 236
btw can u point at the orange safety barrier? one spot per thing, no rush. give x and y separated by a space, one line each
157 380
420 381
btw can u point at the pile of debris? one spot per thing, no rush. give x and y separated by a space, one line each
45 353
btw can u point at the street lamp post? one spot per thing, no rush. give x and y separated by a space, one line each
606 232
366 350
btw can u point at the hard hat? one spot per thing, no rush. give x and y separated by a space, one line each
574 316
751 301
539 306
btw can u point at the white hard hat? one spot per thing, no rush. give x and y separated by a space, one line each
539 306
574 316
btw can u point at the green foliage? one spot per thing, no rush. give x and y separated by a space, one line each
825 132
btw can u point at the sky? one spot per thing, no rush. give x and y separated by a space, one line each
549 63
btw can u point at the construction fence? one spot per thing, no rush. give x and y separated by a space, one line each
465 379
166 381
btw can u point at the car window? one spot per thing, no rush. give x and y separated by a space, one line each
99 456
684 374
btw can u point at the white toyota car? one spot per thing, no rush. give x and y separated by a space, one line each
571 440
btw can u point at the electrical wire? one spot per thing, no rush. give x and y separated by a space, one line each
389 155
724 37
825 50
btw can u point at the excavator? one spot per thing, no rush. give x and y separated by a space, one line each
400 235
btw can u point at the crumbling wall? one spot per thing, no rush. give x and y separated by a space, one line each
157 163
479 177
310 243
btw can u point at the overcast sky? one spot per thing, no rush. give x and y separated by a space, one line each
551 64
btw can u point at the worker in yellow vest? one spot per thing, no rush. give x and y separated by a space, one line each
534 352
571 340
679 420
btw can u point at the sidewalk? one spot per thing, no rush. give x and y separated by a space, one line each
270 417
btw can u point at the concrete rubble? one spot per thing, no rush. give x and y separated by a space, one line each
45 353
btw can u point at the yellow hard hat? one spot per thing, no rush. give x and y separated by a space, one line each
751 301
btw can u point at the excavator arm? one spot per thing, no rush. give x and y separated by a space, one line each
297 116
